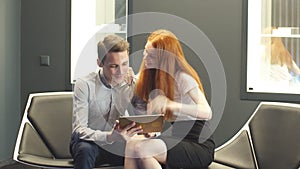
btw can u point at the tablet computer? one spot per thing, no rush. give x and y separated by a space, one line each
149 123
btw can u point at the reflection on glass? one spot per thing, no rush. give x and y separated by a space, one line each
274 51
278 67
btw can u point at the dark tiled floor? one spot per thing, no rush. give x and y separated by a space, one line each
22 166
18 166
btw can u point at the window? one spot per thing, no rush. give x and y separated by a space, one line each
91 21
273 47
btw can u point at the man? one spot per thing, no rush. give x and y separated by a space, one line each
99 99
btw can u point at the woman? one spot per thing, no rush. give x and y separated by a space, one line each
181 99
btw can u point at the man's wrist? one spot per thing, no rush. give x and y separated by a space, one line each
109 138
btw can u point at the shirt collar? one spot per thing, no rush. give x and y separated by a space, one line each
103 79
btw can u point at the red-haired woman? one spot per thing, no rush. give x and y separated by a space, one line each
167 84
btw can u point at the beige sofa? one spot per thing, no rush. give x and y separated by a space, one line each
269 139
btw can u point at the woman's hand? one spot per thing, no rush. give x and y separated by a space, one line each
129 76
120 134
157 105
151 135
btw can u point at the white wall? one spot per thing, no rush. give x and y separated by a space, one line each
9 76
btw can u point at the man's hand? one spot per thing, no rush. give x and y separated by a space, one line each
119 134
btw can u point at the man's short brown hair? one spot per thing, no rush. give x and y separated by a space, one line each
111 43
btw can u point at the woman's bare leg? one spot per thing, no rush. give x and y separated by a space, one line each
131 162
147 153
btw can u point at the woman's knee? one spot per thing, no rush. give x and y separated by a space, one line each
139 150
134 149
146 148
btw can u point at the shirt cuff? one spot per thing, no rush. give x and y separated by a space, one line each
106 141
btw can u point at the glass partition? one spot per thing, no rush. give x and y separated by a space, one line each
273 47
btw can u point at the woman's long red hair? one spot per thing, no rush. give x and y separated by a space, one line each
170 57
279 54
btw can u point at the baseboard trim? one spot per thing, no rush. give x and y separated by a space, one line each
6 162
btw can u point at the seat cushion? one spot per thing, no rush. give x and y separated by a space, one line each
237 153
